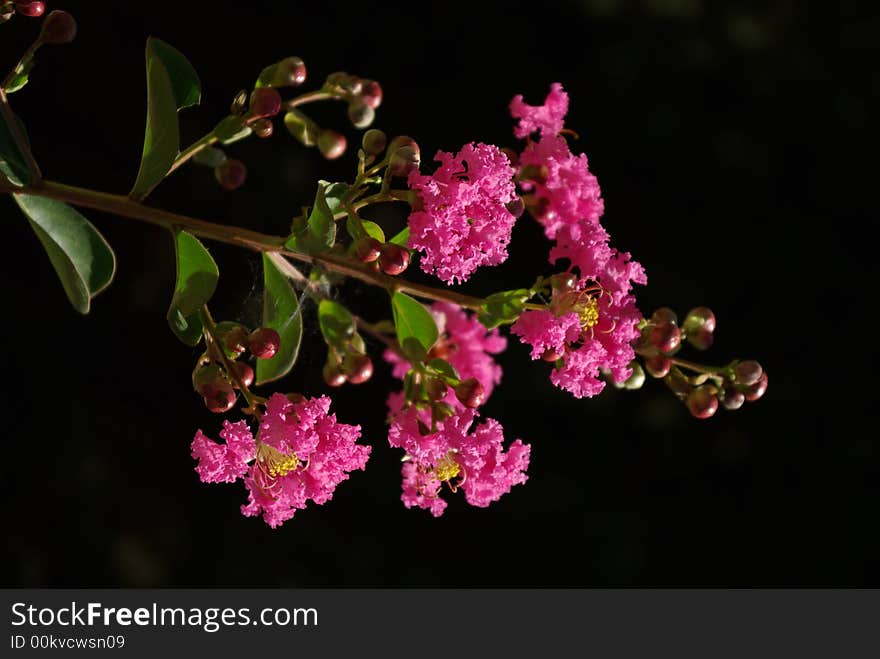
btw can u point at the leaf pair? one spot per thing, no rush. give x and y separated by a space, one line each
318 233
197 276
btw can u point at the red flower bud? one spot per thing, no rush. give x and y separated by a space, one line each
264 342
702 402
371 94
665 336
436 389
231 174
404 160
748 372
699 318
265 102
244 373
232 337
550 355
701 339
360 114
221 402
357 368
393 259
658 366
263 128
332 375
58 28
30 8
757 390
374 141
470 393
664 315
367 249
331 144
733 399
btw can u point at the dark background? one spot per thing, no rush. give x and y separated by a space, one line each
730 140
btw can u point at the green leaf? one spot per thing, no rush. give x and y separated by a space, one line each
81 257
503 308
319 232
401 238
416 329
12 162
301 127
373 230
336 322
20 76
172 84
197 276
444 368
281 312
231 129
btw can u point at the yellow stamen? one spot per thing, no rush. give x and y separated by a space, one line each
588 311
274 462
447 468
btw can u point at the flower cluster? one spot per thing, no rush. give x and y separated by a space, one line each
590 323
477 459
462 220
301 453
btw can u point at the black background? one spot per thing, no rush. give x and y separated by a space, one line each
730 140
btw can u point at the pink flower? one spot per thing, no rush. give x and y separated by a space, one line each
301 454
592 327
475 462
463 222
547 118
465 343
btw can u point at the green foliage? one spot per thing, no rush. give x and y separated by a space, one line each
401 238
172 84
336 322
197 276
318 233
416 329
12 162
81 257
281 312
503 308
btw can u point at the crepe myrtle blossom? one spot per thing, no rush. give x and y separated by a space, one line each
461 220
465 343
473 460
589 327
300 454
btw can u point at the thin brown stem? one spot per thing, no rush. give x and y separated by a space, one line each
121 206
192 150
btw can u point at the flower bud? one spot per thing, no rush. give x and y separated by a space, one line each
264 342
333 376
436 389
371 94
367 249
664 315
374 141
748 372
733 399
470 393
699 318
232 337
393 259
702 402
30 8
658 366
563 282
210 380
331 144
244 373
263 128
404 160
221 402
665 336
265 102
516 207
637 379
357 368
550 355
230 174
701 339
757 390
360 114
289 72
58 28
